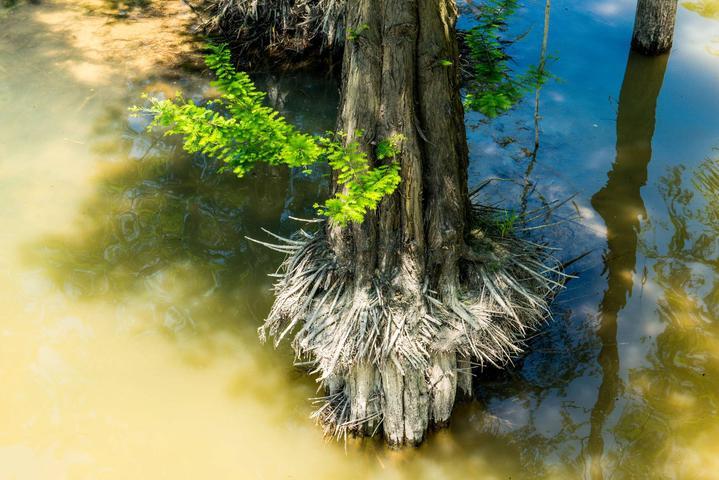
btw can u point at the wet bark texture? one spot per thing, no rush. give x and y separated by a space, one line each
654 26
396 81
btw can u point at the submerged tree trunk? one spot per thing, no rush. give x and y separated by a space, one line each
395 82
391 310
654 26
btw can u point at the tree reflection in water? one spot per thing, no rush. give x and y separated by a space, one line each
620 205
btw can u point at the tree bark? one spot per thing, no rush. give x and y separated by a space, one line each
654 26
396 81
394 311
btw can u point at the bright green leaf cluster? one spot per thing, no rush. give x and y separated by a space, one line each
240 130
505 222
237 129
361 188
354 33
390 147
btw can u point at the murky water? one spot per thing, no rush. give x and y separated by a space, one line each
130 296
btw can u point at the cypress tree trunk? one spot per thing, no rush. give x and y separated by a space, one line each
395 82
391 310
654 26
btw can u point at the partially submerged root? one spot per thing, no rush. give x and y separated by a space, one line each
272 27
281 30
388 359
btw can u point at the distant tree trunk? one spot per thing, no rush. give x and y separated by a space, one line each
396 81
654 26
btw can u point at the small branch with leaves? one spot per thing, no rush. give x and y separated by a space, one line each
241 131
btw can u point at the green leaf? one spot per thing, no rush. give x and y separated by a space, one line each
240 130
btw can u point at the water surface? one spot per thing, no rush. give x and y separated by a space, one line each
130 295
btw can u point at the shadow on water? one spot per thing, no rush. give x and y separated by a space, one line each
168 224
160 221
155 209
620 205
128 10
16 3
124 5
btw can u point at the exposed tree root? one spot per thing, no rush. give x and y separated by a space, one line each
388 359
275 27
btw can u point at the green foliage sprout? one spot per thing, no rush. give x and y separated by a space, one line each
240 130
361 187
495 88
505 222
354 33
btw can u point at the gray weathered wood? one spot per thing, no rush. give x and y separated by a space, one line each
654 26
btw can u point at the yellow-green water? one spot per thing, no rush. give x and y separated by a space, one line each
129 295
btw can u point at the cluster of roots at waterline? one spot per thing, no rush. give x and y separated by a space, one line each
278 28
394 364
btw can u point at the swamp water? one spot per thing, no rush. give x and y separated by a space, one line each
130 298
